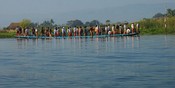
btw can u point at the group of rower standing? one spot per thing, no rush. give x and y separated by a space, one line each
79 31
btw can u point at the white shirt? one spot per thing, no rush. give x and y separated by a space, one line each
106 28
63 30
74 29
112 28
68 30
125 27
36 30
132 26
96 28
55 31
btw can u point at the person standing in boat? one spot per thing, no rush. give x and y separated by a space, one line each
137 28
27 31
96 30
50 32
99 30
36 32
47 32
125 28
77 30
69 32
20 31
33 31
80 31
91 31
132 27
58 31
55 32
120 29
106 30
74 30
109 28
113 29
85 31
117 29
63 32
17 31
42 31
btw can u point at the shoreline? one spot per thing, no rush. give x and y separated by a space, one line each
13 35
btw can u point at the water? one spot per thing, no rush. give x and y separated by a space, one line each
118 62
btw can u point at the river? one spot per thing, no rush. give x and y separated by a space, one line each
116 62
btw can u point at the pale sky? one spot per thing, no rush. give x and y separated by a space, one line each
40 10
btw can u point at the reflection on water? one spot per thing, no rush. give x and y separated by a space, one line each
81 46
116 42
146 61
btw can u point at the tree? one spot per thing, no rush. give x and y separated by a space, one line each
25 23
73 23
33 24
94 23
52 22
158 15
108 22
87 23
170 13
47 23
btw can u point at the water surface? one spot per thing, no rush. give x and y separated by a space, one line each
117 62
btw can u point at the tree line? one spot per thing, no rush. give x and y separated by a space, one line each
169 13
51 23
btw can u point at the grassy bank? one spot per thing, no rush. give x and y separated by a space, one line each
7 34
157 26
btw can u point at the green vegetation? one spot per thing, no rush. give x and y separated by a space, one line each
159 24
7 34
25 23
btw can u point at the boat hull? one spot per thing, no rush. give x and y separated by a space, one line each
59 37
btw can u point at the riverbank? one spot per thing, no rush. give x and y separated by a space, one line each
7 34
157 26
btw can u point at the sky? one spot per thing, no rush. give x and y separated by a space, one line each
86 10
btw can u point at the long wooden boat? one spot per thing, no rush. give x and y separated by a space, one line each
59 37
